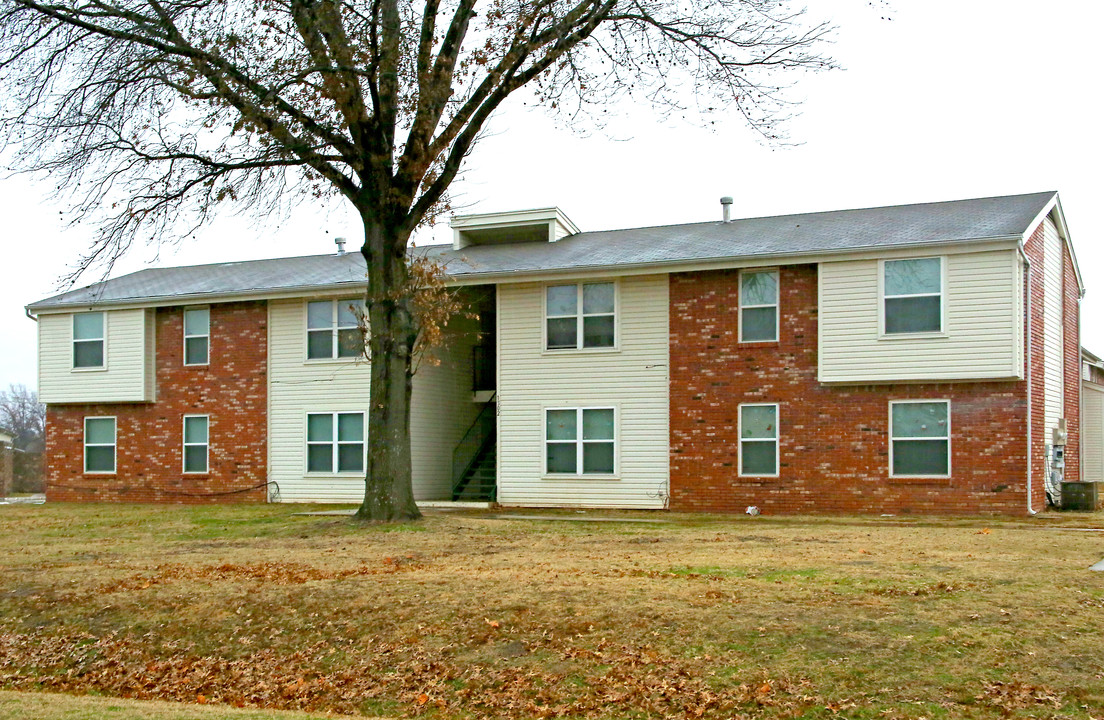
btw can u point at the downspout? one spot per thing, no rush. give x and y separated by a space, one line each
1028 369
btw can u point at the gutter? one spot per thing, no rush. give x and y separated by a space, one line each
1027 372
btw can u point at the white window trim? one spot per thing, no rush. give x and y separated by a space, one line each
73 341
579 443
942 332
335 304
185 445
616 347
950 455
187 337
307 472
775 305
740 435
114 446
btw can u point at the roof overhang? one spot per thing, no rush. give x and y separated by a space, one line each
1053 208
537 225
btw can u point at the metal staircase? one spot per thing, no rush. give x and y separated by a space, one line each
474 460
478 482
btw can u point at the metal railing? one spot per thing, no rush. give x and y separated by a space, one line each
467 450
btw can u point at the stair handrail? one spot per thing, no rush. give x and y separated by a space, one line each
467 450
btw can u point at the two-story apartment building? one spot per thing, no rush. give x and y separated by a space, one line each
914 358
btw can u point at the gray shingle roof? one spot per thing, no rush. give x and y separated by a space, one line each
804 234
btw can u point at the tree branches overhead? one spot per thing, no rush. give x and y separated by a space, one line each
159 112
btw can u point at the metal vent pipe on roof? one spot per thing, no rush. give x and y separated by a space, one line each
340 245
726 208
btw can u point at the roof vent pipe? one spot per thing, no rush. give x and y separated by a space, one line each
340 245
726 208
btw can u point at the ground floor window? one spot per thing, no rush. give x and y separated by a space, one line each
759 440
335 442
920 438
99 445
195 443
580 441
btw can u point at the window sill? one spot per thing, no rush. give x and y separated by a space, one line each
581 351
746 343
341 476
197 365
578 476
914 336
102 368
95 473
920 479
337 361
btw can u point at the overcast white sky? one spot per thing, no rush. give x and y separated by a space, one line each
950 99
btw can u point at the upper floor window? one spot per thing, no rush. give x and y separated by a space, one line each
580 316
99 445
88 340
759 440
335 442
913 295
580 441
333 329
758 306
197 336
920 438
196 443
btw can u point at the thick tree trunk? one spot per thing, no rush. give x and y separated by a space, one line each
388 488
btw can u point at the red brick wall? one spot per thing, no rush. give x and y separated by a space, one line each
1036 349
232 390
1071 371
1071 320
834 441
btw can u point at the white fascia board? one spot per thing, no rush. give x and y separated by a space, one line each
505 219
950 247
1055 206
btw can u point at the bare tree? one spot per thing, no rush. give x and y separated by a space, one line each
22 415
158 113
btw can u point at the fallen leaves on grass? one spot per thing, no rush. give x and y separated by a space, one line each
637 680
1011 696
268 572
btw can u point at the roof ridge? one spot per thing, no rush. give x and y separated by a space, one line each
819 212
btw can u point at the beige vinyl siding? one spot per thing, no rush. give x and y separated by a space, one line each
1092 439
127 362
1053 375
151 355
982 299
633 379
441 410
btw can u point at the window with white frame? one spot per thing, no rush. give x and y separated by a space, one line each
758 306
335 442
920 438
88 340
759 440
197 336
333 329
580 441
196 443
99 445
912 293
582 315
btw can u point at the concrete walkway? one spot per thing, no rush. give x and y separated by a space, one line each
36 499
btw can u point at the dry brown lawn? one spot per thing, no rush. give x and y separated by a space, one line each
465 615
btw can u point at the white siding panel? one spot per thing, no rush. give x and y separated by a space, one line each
1052 327
983 300
1092 438
127 361
634 379
441 410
